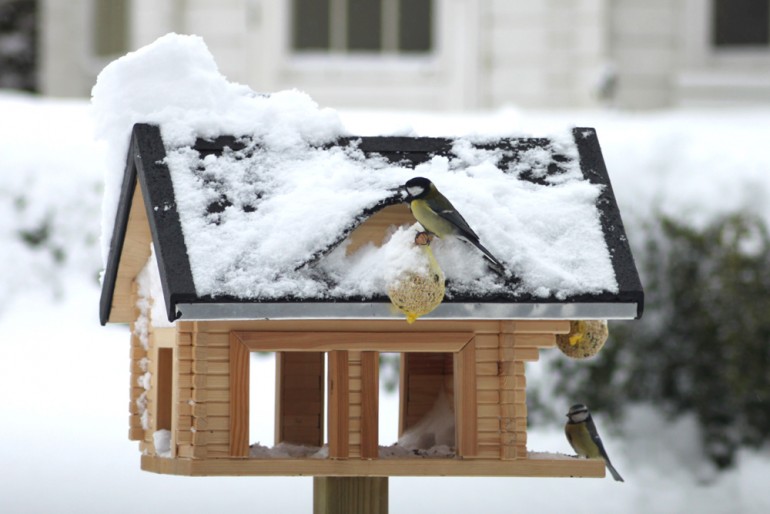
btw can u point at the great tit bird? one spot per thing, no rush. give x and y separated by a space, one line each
584 438
439 217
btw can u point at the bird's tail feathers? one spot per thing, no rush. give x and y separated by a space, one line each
497 266
614 472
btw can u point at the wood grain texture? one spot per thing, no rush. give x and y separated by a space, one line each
338 410
370 406
545 465
359 341
239 398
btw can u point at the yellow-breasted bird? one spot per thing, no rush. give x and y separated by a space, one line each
439 217
584 438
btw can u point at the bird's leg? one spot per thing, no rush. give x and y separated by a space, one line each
423 238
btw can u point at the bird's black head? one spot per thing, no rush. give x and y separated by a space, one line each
417 187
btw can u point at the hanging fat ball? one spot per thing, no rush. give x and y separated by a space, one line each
585 338
417 292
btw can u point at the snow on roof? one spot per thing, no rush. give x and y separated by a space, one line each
254 213
284 205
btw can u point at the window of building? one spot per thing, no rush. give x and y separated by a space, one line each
110 27
741 23
364 26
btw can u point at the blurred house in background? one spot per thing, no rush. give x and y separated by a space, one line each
438 54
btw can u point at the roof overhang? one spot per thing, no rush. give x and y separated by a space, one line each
372 310
147 175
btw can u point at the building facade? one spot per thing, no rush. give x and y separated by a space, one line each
439 54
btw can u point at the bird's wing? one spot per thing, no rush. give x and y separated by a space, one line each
568 433
444 208
596 439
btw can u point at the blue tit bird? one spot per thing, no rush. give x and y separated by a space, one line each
584 438
439 217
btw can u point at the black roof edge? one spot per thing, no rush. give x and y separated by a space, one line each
158 191
118 234
623 263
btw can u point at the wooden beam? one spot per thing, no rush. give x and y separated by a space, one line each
338 410
539 465
466 430
350 495
370 389
360 341
239 398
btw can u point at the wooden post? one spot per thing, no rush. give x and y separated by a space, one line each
350 495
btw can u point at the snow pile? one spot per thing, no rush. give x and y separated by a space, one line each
162 441
282 199
285 450
176 84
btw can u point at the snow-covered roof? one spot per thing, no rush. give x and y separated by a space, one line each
249 200
244 229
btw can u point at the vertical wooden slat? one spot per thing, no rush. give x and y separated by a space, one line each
466 430
239 398
403 393
338 404
370 388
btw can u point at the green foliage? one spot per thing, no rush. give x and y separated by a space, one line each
703 345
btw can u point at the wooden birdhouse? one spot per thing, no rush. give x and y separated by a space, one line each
208 269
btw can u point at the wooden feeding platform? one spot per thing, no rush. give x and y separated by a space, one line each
190 364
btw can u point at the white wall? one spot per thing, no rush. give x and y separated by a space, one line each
549 53
488 53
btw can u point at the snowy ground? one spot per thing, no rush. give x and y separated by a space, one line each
64 379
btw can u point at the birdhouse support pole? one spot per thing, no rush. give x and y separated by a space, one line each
350 495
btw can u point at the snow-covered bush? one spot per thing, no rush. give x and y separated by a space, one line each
702 345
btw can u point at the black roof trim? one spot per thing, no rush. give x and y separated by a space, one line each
145 163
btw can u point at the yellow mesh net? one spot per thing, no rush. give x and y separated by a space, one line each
417 293
584 340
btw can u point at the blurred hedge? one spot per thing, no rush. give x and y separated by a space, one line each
703 345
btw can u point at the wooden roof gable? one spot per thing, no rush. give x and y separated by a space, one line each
148 212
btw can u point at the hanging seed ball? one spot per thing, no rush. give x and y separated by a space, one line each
585 338
416 294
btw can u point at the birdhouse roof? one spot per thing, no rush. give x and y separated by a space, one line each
243 230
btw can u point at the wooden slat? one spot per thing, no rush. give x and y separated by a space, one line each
361 341
532 340
239 398
545 465
221 340
338 410
465 401
370 378
535 326
211 354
